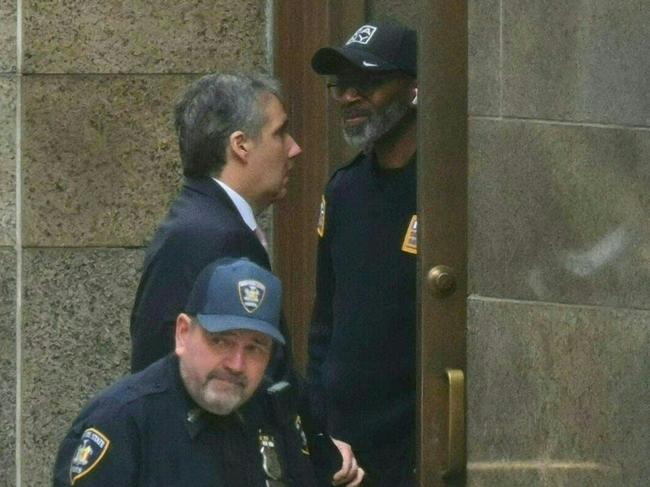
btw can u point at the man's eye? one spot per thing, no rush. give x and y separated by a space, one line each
259 350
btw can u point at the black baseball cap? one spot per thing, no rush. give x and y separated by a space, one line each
237 294
374 47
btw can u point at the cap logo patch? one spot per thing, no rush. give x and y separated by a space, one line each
362 35
251 294
89 453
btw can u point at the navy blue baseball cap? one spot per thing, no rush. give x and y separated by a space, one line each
237 294
374 47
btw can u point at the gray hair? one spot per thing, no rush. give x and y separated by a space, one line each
212 108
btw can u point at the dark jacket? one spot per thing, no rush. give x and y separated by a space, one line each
146 431
361 365
201 226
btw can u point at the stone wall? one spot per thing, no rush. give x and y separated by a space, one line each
559 315
88 164
559 318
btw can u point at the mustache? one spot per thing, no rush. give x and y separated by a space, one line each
235 379
353 112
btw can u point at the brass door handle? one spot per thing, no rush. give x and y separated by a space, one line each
456 438
442 280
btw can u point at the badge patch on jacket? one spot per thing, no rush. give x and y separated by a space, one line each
304 447
321 217
89 453
270 459
410 244
251 294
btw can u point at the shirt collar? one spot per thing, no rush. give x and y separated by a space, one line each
242 205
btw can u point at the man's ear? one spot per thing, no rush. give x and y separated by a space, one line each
183 325
414 93
239 144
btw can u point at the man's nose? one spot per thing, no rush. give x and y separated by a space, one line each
294 149
348 95
235 360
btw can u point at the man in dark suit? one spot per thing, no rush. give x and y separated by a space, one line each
237 154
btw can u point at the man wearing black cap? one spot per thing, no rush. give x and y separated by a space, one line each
362 340
198 417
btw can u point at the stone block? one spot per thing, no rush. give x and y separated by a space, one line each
100 158
8 36
560 391
75 341
111 36
403 11
7 160
577 61
484 57
539 474
7 366
559 213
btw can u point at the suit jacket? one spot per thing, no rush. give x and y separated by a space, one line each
202 225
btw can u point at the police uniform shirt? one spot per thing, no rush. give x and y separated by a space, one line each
362 338
146 431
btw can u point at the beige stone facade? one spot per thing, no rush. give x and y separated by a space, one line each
558 312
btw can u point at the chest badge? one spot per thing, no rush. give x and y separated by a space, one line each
92 448
270 459
321 218
303 437
410 243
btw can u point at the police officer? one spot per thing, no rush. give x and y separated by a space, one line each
198 417
365 293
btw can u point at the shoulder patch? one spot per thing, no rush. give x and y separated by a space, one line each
410 244
92 448
321 217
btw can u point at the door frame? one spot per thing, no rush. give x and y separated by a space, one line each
442 203
301 27
442 242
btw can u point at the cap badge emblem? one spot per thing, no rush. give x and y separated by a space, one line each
251 294
362 35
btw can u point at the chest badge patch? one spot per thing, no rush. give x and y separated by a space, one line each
321 217
251 294
92 448
410 244
270 458
303 437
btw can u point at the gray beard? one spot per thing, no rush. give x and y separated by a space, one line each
364 136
